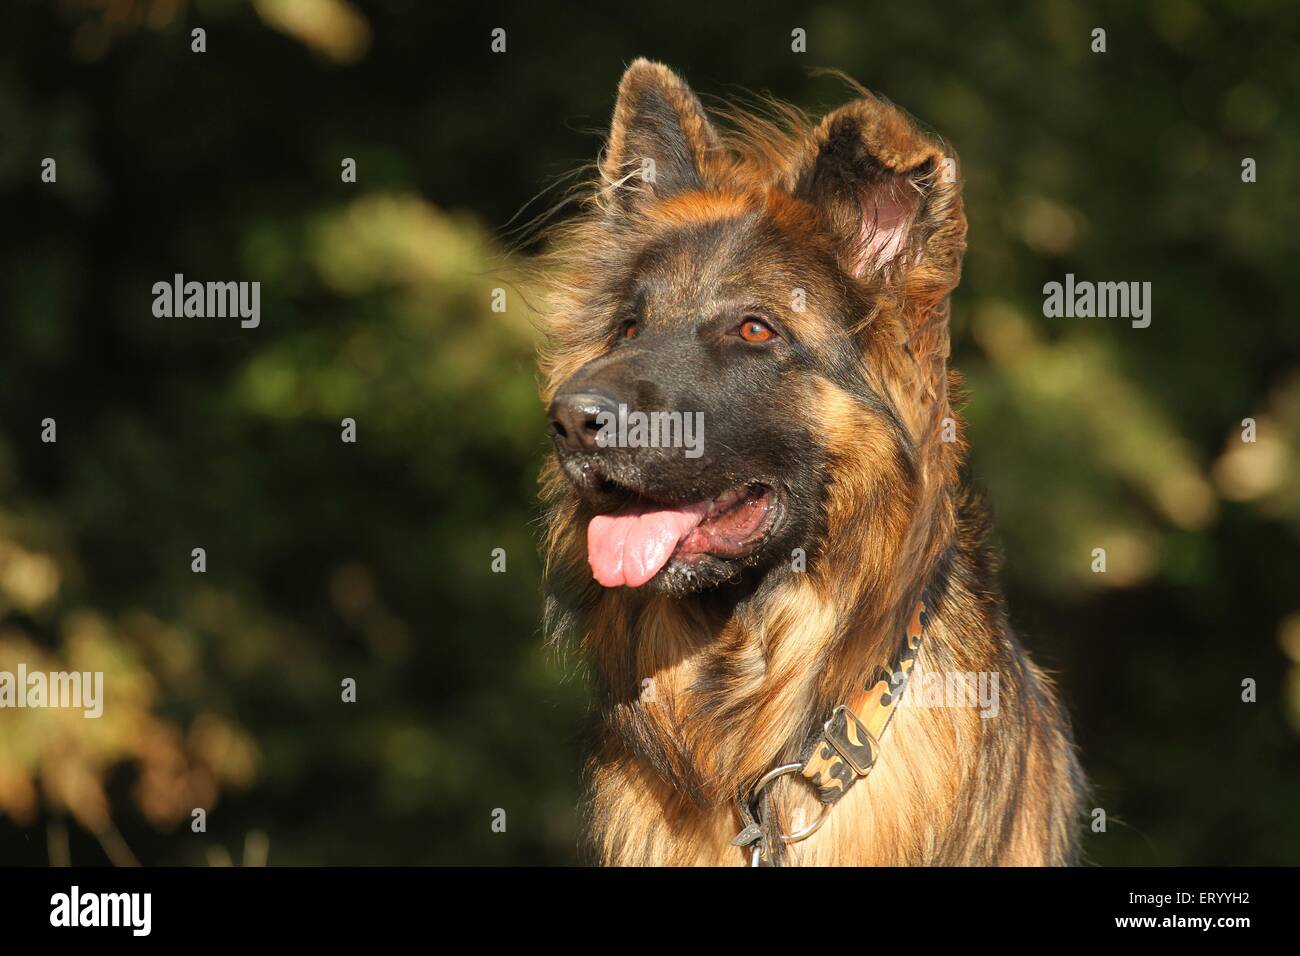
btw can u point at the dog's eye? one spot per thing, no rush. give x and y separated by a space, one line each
630 330
755 330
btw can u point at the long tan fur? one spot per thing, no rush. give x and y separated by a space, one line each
696 704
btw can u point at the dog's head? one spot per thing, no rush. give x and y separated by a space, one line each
747 356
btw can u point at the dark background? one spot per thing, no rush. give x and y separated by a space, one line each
372 560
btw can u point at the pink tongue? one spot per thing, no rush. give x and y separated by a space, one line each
631 546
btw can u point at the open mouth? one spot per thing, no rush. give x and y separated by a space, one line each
631 545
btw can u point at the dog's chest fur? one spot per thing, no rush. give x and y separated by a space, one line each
716 709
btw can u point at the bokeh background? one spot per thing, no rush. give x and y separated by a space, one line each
373 560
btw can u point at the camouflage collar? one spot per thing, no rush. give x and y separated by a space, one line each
844 752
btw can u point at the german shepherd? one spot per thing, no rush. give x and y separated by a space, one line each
753 608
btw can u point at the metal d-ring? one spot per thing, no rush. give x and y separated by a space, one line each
774 774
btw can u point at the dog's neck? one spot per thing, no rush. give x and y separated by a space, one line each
709 694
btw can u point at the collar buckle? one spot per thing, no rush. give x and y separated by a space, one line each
851 739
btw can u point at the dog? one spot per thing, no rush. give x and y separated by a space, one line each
757 615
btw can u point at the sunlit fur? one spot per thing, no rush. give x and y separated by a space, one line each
741 685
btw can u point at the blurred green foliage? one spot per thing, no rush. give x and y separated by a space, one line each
372 561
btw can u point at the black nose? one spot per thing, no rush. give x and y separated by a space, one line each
574 419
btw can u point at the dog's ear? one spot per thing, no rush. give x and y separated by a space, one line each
889 193
658 140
